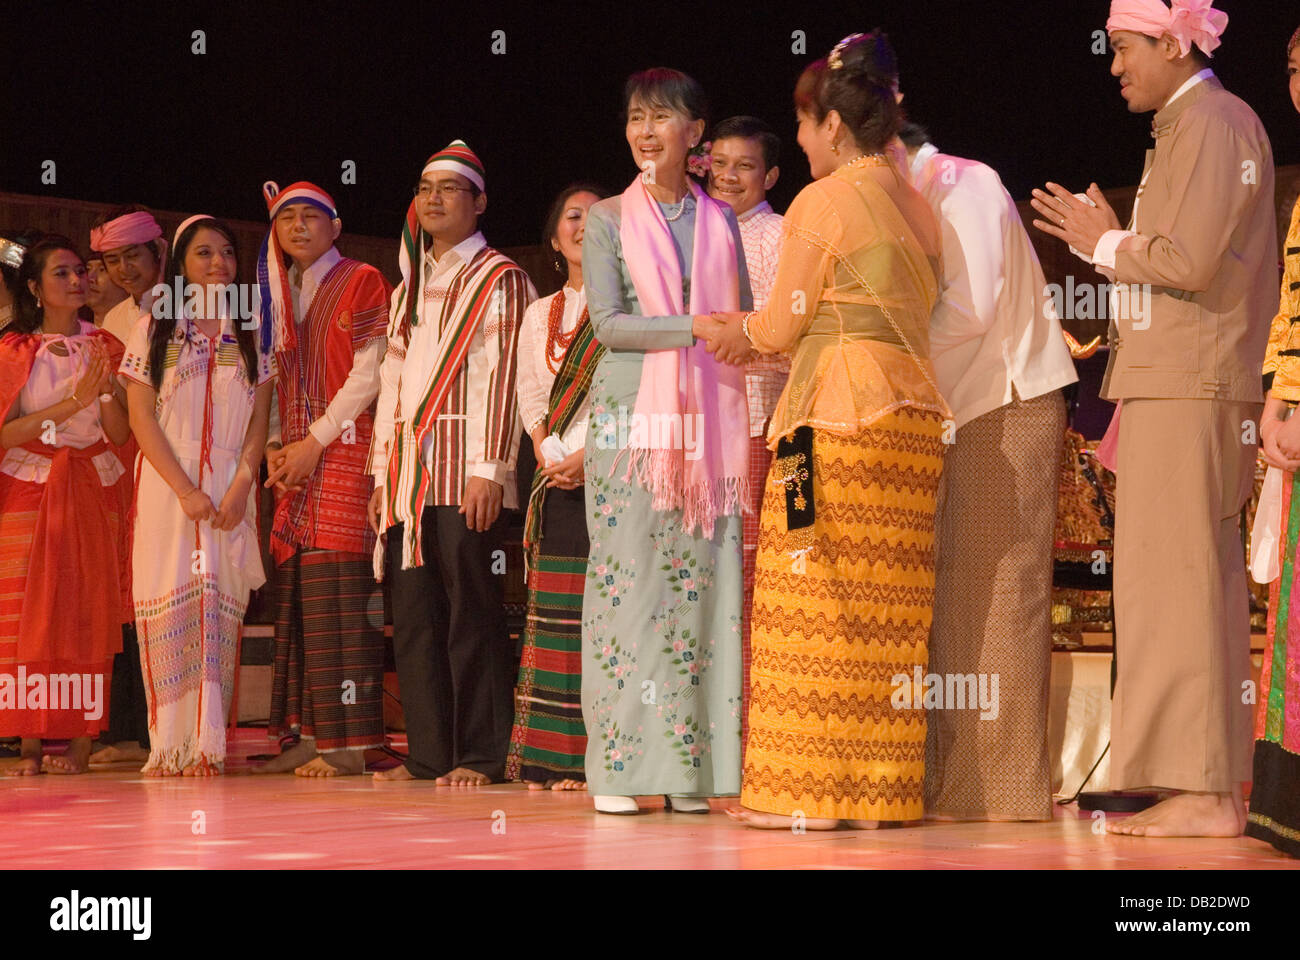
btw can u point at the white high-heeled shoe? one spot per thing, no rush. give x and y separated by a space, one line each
689 804
622 806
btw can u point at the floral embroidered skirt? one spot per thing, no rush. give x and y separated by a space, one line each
834 629
660 625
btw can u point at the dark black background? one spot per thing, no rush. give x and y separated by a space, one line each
288 91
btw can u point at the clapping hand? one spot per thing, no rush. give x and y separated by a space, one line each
97 378
1077 222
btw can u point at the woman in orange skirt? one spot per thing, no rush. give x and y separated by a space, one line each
844 579
62 513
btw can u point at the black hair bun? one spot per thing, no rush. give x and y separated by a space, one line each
868 58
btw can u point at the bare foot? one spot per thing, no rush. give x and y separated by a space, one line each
394 773
538 785
339 763
202 767
463 777
126 751
776 821
27 765
1186 815
568 784
297 755
75 760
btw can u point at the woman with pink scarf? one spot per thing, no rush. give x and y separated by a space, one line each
666 473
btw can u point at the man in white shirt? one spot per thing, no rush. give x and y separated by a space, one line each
102 294
743 166
1000 360
325 317
130 242
443 458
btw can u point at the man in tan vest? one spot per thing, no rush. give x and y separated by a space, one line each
1193 277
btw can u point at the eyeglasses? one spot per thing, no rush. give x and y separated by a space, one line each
440 190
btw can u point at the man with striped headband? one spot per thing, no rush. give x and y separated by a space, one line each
325 316
443 458
1196 279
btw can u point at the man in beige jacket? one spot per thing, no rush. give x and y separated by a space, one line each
1201 257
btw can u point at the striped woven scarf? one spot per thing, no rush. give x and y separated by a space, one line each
406 486
567 394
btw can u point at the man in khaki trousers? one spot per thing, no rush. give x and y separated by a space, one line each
1193 280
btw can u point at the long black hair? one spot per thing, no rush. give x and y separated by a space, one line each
28 316
161 329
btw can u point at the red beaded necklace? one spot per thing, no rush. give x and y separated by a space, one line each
557 344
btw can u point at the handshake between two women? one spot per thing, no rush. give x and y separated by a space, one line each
724 336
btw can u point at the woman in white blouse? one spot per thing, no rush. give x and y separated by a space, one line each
557 355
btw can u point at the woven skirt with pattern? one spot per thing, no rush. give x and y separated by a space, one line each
549 739
835 628
1274 815
329 651
986 753
65 649
760 460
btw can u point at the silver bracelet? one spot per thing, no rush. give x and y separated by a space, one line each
744 326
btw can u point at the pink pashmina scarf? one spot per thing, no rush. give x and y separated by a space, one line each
689 445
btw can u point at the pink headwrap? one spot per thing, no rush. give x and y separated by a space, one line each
130 228
1189 22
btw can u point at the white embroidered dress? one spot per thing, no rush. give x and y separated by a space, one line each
191 581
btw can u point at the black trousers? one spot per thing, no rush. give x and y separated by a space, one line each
454 660
128 712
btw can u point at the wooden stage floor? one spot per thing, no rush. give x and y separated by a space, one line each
116 819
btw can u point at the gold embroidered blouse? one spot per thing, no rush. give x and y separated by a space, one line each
1282 359
851 302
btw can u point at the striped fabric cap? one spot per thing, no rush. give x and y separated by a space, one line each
300 192
276 326
457 157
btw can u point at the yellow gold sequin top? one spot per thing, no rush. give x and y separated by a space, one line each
1282 359
851 302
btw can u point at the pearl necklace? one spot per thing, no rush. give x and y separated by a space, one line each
866 160
681 207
